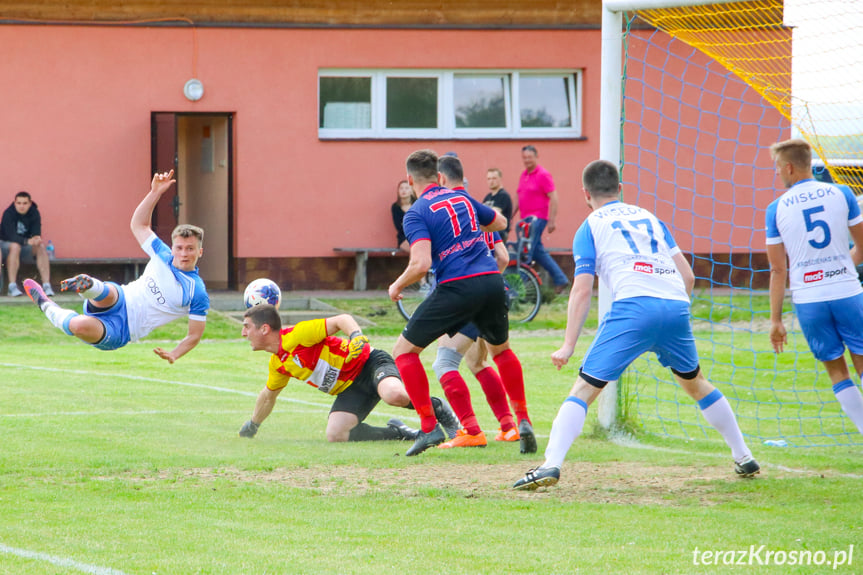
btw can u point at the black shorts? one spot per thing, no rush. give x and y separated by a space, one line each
454 304
362 395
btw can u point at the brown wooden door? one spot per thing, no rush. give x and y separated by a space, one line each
164 158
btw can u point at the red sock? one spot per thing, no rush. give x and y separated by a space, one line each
513 381
495 394
458 395
417 385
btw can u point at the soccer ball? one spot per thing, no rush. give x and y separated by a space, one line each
262 291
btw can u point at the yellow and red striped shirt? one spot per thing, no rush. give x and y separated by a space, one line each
307 353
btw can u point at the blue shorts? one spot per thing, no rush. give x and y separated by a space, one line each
115 321
636 325
831 325
471 331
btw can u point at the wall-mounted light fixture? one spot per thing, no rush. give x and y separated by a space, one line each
193 90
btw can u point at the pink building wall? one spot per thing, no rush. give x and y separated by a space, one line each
75 108
76 104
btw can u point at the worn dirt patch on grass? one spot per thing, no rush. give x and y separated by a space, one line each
615 482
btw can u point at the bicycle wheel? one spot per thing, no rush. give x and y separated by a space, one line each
413 296
525 296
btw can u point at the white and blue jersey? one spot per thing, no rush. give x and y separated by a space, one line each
451 220
812 219
631 251
163 293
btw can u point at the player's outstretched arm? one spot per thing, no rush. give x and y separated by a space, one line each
685 271
418 265
346 324
576 314
142 217
187 344
263 408
778 277
501 256
498 224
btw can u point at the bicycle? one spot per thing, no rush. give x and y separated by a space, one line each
522 282
414 294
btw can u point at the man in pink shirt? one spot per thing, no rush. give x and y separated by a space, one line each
537 197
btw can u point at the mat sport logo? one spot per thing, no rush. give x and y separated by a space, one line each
816 276
819 275
652 269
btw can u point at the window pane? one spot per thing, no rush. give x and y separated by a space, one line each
544 102
479 102
346 103
411 102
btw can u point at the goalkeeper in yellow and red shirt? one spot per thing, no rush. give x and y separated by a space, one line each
350 369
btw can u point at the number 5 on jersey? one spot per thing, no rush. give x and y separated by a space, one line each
811 225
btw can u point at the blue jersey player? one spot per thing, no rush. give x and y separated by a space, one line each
650 282
445 230
810 224
467 343
169 288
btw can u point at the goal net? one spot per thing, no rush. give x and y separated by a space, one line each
706 90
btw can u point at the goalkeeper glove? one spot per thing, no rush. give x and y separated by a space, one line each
357 344
249 429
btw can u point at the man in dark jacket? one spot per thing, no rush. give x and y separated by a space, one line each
21 231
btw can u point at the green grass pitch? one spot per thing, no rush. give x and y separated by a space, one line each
118 463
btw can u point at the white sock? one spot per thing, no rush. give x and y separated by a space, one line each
851 401
59 317
717 412
97 292
566 427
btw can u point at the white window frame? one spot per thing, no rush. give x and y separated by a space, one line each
573 79
446 106
379 102
480 133
347 74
